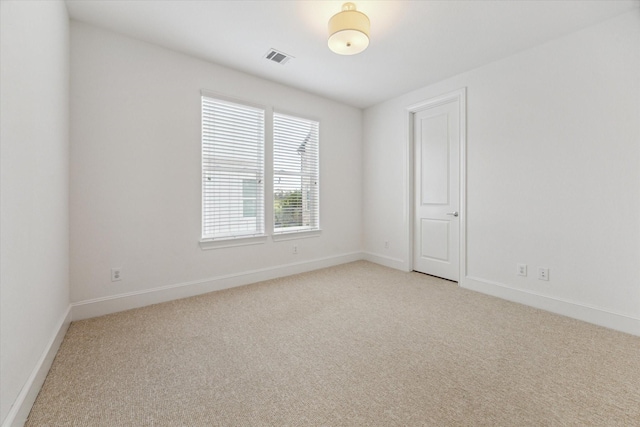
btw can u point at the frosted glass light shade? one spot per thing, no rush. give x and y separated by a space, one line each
349 31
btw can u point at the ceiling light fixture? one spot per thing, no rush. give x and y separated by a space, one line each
349 31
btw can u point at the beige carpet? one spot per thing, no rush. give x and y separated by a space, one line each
352 345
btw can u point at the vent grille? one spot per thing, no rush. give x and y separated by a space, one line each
278 57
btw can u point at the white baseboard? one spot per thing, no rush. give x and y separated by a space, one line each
113 304
19 412
597 316
398 264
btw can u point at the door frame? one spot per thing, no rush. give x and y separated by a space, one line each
459 95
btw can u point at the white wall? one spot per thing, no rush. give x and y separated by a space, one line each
135 175
553 174
34 86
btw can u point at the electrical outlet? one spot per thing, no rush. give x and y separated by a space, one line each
543 273
386 245
295 249
522 269
116 274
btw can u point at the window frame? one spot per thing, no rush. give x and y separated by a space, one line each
295 232
266 208
260 236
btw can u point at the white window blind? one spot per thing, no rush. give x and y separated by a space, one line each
232 169
295 174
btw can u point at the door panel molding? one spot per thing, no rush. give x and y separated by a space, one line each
460 96
433 156
441 230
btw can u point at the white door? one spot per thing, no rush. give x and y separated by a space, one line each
436 235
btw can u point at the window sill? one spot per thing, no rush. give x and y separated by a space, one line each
206 244
292 235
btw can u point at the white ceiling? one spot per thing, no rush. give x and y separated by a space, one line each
413 43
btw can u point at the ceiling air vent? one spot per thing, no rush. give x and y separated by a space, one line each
279 57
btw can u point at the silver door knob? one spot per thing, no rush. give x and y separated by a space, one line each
452 213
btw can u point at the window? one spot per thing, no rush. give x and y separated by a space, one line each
232 169
295 174
249 194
